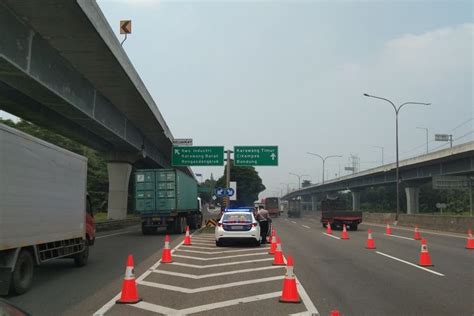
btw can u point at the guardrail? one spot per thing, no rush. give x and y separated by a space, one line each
116 224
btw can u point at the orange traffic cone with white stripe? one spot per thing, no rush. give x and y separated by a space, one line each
187 238
388 230
345 235
417 235
278 257
273 245
425 259
469 240
129 294
166 254
370 241
335 312
328 229
289 293
269 238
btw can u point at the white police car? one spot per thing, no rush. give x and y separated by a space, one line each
237 225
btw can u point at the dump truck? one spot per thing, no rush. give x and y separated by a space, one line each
335 212
167 198
45 213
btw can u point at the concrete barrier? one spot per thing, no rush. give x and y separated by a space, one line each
457 224
116 224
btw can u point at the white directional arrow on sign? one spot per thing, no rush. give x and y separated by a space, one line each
176 151
273 156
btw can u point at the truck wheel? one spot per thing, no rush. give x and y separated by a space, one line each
354 227
81 259
199 221
22 276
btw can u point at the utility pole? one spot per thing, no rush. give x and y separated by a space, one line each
397 110
227 178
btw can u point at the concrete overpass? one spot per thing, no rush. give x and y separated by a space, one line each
62 67
458 160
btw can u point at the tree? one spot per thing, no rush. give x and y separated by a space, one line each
249 184
207 190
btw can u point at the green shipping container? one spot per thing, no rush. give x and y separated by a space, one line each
164 190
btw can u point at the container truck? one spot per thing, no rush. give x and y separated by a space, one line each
335 212
167 198
272 205
45 213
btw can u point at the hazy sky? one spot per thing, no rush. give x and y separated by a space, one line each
292 74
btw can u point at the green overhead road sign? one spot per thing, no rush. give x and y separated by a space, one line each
256 155
197 156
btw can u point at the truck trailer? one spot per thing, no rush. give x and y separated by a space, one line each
336 213
167 198
45 213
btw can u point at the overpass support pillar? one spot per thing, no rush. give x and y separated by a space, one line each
314 203
356 200
119 175
413 199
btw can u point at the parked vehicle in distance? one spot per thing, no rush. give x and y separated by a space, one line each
335 212
44 208
167 198
294 212
237 225
272 205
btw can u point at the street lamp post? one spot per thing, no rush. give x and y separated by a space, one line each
380 147
287 186
397 110
324 160
426 130
299 178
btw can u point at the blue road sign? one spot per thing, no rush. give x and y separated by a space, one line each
229 192
220 192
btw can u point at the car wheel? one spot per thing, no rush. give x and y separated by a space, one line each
218 243
22 276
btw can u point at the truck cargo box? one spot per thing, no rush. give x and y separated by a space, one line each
42 191
164 191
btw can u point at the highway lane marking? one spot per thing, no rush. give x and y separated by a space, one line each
398 236
293 222
121 233
409 263
306 226
286 219
311 309
217 264
421 230
215 248
191 310
218 258
224 251
331 235
210 275
209 288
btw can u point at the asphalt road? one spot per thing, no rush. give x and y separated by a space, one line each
343 275
59 288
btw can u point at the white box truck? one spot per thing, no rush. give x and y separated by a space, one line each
44 210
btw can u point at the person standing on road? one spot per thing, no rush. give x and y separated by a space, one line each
262 217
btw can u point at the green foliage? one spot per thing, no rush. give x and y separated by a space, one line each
209 184
97 179
249 184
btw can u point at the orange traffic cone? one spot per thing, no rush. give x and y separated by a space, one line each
269 238
345 235
425 259
187 238
417 235
388 230
328 229
289 294
335 313
278 257
370 241
129 293
273 245
166 254
469 240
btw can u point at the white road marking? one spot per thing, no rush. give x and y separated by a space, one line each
293 222
398 236
208 288
409 263
312 310
331 235
218 264
225 257
199 247
424 231
170 311
223 251
210 275
306 226
202 244
121 233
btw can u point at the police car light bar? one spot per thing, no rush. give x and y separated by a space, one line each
245 209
